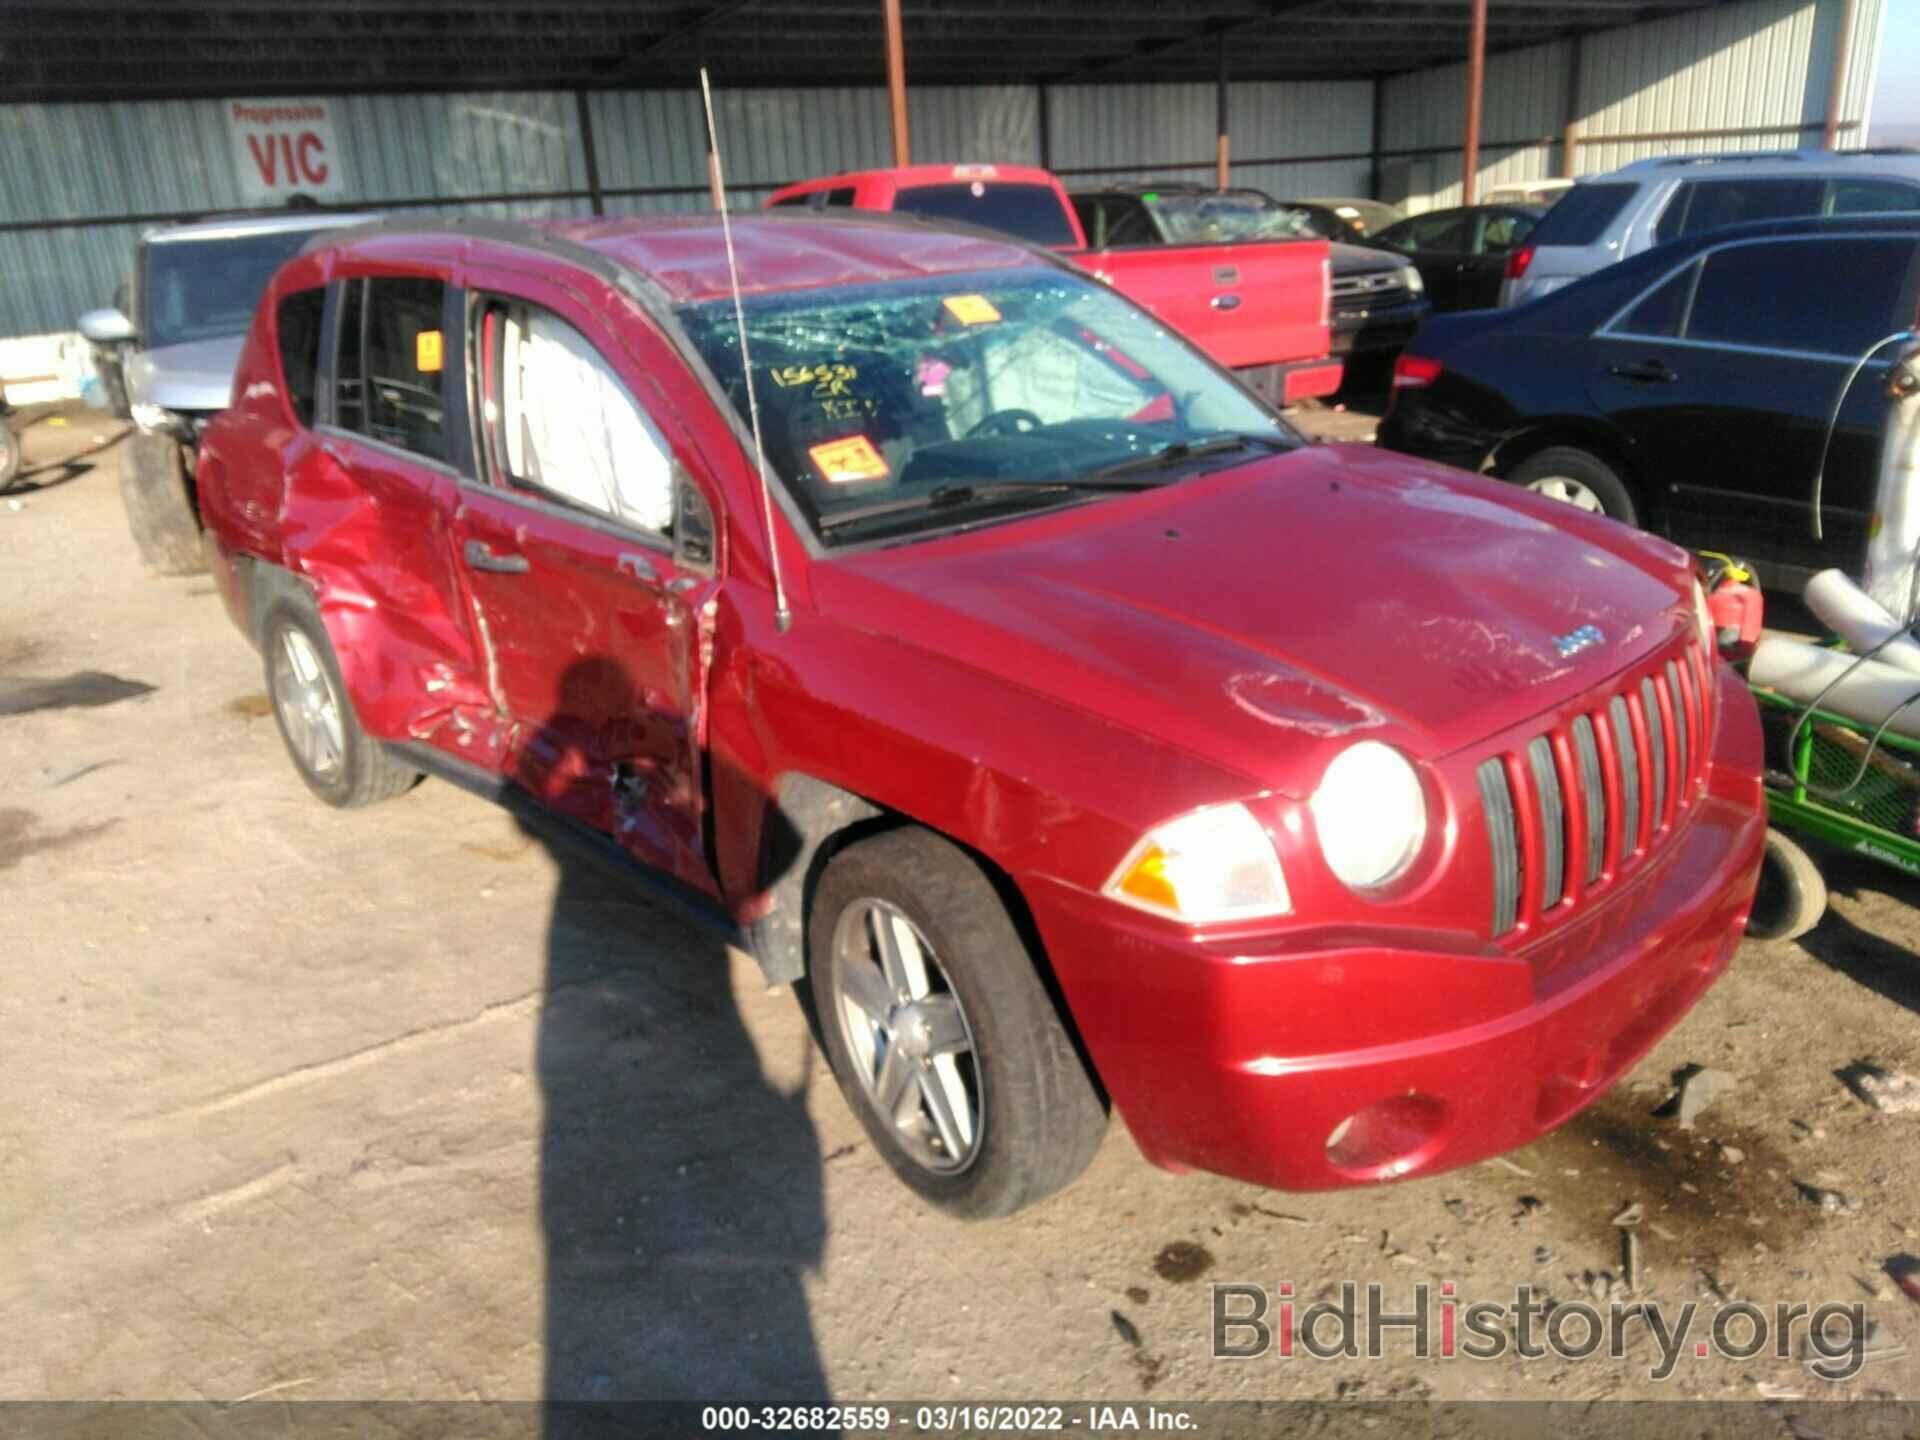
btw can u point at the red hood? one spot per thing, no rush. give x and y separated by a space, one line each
1264 616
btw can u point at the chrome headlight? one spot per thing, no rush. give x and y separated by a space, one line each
1371 815
1413 281
1213 864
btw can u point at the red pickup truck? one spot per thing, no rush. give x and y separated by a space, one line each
1261 308
1081 734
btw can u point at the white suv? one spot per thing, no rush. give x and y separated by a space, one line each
1649 202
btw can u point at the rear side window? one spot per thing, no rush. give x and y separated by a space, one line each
391 371
1583 214
1502 232
1434 232
1871 197
839 197
1664 311
1759 295
1030 212
1712 204
297 319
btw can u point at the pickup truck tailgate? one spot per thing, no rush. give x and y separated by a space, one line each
1245 305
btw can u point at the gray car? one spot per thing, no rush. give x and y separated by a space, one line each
170 347
1611 217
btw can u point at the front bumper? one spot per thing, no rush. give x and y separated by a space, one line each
1246 1058
1363 332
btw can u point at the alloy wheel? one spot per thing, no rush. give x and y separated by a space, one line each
1568 491
908 1037
309 710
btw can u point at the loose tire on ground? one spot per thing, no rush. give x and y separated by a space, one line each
1561 471
153 486
1792 895
340 762
9 455
1037 1118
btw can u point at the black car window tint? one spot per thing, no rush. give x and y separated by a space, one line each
1673 219
1663 311
297 320
1131 226
1767 295
1583 214
406 364
1718 203
1434 232
1500 233
1871 197
1029 212
1093 219
349 393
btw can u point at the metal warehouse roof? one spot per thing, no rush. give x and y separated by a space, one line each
96 49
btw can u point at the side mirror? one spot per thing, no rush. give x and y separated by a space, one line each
106 326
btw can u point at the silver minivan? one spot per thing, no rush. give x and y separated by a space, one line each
1610 217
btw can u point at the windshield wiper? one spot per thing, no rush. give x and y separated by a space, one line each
1182 451
963 492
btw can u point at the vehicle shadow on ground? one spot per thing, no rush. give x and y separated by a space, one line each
47 473
1886 968
680 1190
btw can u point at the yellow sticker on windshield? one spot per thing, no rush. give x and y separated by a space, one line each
971 309
429 352
844 462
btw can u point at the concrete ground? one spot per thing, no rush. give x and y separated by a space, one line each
405 1103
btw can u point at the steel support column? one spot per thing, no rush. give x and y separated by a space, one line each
1476 84
1837 90
1223 158
897 84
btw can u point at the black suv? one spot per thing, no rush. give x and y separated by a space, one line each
1689 390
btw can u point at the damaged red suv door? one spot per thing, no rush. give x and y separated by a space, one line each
588 608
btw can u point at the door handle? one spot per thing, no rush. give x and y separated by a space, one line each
639 567
482 556
1652 371
1225 302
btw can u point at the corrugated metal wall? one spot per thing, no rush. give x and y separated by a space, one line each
1757 63
1763 63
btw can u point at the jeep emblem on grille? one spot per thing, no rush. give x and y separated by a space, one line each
1574 641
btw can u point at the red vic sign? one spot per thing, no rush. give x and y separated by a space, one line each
283 148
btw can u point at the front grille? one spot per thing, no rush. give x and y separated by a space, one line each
1589 798
1369 292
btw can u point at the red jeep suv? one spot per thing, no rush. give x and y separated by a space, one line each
1082 735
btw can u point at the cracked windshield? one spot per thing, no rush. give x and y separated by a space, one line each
911 406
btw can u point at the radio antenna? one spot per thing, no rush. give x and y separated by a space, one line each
782 616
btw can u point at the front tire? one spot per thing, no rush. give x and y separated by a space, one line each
1580 479
340 762
153 487
1792 895
941 1034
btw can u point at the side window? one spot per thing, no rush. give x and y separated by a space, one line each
838 198
405 364
297 321
558 420
1868 197
1502 232
1130 225
1445 233
1761 295
1716 203
1664 311
1092 217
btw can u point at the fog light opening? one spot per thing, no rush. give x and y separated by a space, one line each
1388 1139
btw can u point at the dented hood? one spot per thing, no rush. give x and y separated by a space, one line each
1264 616
195 376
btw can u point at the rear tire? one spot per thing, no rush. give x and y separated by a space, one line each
1792 895
153 487
961 1004
1585 481
340 762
